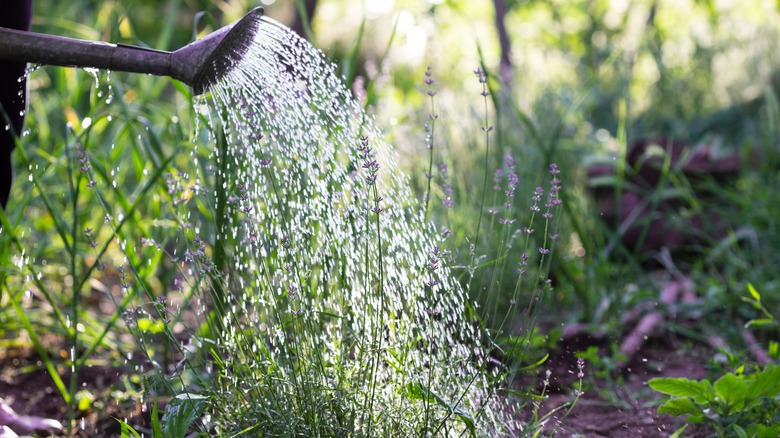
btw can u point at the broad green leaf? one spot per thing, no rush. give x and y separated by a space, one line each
765 384
679 406
751 403
709 391
680 387
740 431
756 430
180 413
732 390
695 419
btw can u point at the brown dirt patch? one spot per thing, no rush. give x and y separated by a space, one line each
622 405
27 387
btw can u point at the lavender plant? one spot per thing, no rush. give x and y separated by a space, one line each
339 317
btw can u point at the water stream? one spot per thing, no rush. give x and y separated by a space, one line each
337 290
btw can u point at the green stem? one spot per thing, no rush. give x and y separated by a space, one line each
429 143
486 128
72 328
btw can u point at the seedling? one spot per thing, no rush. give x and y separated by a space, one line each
736 403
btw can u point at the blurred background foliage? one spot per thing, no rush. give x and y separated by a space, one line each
573 81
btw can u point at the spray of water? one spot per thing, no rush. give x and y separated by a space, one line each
339 314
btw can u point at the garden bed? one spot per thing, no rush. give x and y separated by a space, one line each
618 406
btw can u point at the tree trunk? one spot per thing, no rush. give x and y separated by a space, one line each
505 63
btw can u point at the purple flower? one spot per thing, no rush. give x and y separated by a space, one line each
555 186
433 265
446 187
428 80
370 165
538 192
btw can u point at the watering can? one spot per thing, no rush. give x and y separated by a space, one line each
199 64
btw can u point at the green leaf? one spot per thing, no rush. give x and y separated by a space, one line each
527 395
695 419
760 431
679 406
180 413
417 391
84 399
536 364
680 387
155 419
756 305
148 325
732 390
760 321
127 430
753 292
740 432
709 391
765 384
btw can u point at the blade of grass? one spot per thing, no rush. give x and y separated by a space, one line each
55 376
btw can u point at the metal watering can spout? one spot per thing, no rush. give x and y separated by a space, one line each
199 64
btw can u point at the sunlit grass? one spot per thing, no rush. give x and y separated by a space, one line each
108 203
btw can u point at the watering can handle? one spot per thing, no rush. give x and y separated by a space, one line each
37 48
